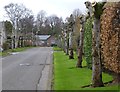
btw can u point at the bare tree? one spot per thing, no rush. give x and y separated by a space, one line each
41 17
26 26
15 12
76 13
55 24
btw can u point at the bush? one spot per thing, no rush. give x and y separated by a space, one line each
5 46
110 37
88 43
53 45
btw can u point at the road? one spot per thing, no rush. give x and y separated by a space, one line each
28 70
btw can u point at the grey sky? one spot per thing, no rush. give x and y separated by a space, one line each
62 8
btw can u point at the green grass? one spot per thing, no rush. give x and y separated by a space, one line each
20 49
7 52
0 53
57 48
68 77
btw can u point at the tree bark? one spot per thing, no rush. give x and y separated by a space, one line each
67 50
66 44
80 48
13 37
96 68
71 54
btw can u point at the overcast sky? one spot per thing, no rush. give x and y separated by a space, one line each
62 8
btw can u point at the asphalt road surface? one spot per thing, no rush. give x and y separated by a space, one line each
28 70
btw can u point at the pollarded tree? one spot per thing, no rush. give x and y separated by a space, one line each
80 47
70 30
95 11
83 19
76 29
66 34
64 37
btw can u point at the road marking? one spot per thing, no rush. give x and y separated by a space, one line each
14 53
25 64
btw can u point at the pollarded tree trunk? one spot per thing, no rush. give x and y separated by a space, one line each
13 35
71 54
66 43
70 29
80 48
96 68
21 42
16 32
95 11
13 42
63 43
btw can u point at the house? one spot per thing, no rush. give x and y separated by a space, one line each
45 40
51 41
41 40
3 36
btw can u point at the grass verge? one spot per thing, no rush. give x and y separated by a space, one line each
57 48
68 77
7 52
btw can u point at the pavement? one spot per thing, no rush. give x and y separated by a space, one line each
28 70
46 78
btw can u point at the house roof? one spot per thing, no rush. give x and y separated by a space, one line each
43 37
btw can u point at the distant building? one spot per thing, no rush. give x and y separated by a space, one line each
3 36
45 40
51 41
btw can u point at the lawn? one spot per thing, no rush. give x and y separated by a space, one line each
7 52
68 77
57 48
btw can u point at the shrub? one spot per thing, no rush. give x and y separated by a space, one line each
88 43
5 46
